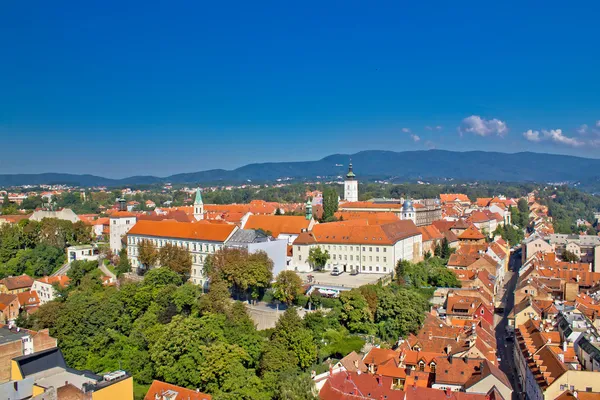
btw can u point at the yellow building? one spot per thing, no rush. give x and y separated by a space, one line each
50 372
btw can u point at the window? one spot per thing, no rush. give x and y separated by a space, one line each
370 249
377 249
421 366
377 268
377 259
384 259
350 257
432 367
384 249
364 248
194 246
384 269
298 248
126 222
364 258
299 257
334 256
363 267
370 268
345 257
371 258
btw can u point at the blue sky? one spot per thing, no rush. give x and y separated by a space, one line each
125 88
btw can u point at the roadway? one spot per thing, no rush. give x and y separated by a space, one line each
506 348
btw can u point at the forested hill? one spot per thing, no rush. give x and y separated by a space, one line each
372 164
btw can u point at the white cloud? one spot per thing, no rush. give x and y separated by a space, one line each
557 136
438 128
430 145
553 135
482 127
415 138
532 136
405 130
582 130
432 128
598 124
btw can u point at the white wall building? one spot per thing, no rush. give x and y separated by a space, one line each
357 246
120 223
201 239
45 287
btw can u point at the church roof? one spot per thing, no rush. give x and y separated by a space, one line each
198 197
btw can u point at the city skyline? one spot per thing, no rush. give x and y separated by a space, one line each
171 89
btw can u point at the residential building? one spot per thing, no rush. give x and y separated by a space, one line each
49 370
200 238
85 252
421 212
16 284
65 214
44 287
166 391
586 247
9 307
255 241
286 227
15 342
360 247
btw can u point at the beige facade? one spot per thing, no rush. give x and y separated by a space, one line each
367 258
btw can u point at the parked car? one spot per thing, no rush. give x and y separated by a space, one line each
354 272
336 271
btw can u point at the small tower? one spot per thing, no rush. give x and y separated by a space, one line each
198 206
308 210
408 211
350 185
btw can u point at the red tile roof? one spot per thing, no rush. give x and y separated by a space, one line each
183 230
62 280
166 391
278 224
359 232
430 232
471 233
454 197
17 282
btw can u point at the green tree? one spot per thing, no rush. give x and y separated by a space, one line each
288 286
569 256
399 313
123 266
290 332
445 248
79 269
330 203
159 277
148 255
355 314
318 257
177 259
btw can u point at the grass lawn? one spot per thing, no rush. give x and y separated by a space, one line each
111 268
139 390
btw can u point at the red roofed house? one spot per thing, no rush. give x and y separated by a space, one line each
455 198
9 307
29 301
44 287
200 238
165 391
280 226
360 246
16 284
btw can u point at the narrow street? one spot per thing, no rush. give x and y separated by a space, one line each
505 348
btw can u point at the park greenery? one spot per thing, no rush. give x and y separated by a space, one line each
38 248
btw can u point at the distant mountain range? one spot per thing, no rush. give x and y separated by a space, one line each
368 165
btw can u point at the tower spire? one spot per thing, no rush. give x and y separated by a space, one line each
198 206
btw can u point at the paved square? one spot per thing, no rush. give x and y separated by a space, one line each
343 280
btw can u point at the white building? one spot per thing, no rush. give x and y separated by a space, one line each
286 227
120 223
45 287
65 214
200 238
198 206
350 186
358 246
85 252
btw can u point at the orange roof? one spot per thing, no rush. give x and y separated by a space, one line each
183 230
159 390
379 356
29 298
479 216
430 232
122 214
454 197
17 282
359 232
277 224
373 217
483 201
13 219
62 280
471 233
370 204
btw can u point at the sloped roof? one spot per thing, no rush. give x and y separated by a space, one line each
183 230
351 232
278 224
159 388
17 282
471 233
